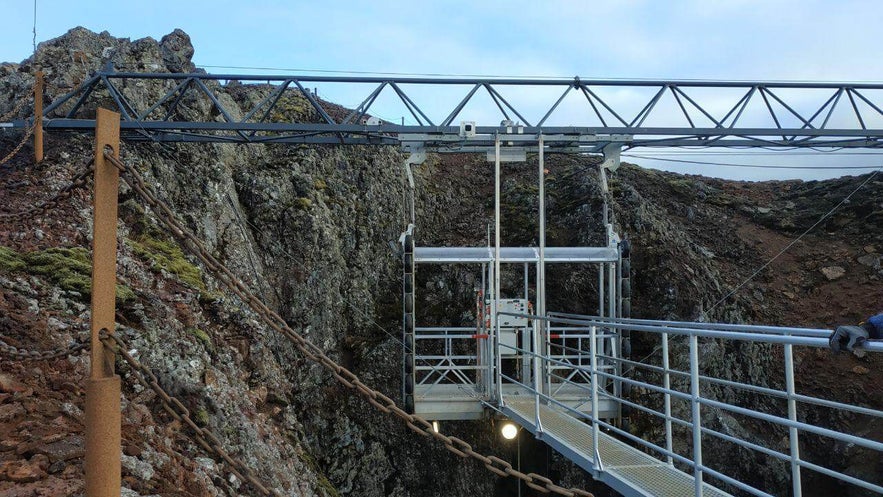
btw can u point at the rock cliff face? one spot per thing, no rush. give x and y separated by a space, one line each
308 229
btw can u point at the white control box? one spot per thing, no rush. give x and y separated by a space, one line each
510 326
513 306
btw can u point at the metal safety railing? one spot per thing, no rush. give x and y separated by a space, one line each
681 397
442 356
569 356
457 355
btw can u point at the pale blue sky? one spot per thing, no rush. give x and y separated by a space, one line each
690 39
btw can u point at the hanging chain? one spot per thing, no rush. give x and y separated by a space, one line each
24 140
18 107
16 353
312 352
28 132
177 410
79 180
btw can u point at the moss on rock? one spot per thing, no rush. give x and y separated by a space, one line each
167 255
10 260
68 267
202 336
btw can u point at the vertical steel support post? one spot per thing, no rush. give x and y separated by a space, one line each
539 336
697 424
495 302
601 289
666 384
487 343
38 117
103 445
611 290
526 332
796 485
593 349
611 346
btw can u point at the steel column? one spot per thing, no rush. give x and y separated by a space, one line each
601 290
496 307
103 387
38 117
539 335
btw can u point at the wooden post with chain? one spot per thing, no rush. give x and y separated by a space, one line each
38 117
103 446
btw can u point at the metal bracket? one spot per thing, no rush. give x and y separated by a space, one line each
612 154
416 157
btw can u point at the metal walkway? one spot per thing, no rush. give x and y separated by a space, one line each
626 469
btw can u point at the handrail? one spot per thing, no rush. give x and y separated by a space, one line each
756 388
808 341
814 332
697 400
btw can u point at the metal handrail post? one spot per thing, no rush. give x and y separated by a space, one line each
792 415
694 403
594 373
666 383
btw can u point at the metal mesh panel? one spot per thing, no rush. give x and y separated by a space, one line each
641 471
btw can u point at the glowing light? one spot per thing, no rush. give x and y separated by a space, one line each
435 426
509 431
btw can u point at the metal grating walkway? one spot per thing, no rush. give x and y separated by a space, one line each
626 469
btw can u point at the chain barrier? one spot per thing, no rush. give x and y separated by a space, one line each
24 140
18 107
311 351
170 404
177 410
79 180
28 132
16 353
19 354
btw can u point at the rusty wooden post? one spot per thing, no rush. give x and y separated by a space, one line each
38 117
103 445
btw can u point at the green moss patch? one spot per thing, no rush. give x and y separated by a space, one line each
10 260
200 417
202 336
167 255
69 268
292 105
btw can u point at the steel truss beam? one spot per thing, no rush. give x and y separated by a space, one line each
158 106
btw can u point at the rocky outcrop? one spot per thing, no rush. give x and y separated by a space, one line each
307 228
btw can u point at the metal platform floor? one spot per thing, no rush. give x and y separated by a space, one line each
451 401
626 469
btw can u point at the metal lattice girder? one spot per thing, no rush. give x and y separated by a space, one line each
572 114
